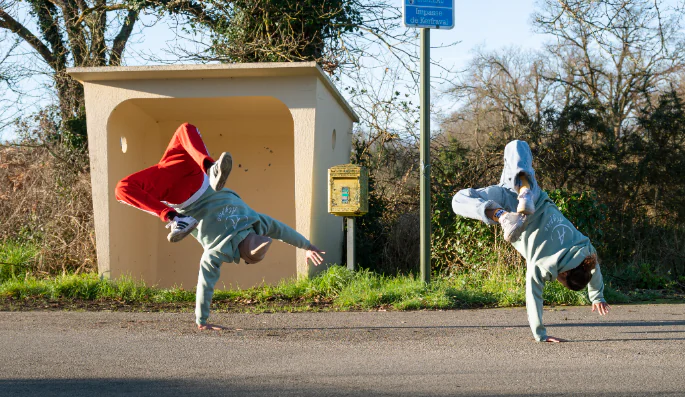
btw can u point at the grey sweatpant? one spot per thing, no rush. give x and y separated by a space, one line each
472 203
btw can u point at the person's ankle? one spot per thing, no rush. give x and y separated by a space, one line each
171 215
207 164
495 213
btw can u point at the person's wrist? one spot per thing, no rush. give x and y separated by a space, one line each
495 213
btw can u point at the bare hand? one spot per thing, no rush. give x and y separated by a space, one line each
210 327
552 339
602 308
313 253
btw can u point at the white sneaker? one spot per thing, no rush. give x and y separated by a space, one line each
512 225
526 205
181 226
218 173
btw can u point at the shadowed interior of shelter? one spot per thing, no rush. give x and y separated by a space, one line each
259 133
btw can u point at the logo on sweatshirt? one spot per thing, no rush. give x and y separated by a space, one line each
559 232
557 228
229 216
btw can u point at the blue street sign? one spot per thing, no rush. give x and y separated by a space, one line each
432 14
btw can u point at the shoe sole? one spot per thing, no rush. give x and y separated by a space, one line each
225 166
180 236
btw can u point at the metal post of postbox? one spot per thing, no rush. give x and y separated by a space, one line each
350 243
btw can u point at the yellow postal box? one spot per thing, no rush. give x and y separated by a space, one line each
348 190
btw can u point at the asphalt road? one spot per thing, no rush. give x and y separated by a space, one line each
635 351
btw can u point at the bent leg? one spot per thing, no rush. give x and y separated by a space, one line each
524 182
518 161
188 141
526 197
135 190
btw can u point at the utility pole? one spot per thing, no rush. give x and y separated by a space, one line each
425 175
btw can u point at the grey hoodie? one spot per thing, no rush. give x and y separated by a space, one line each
549 243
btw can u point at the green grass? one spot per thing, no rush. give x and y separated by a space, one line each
15 258
335 289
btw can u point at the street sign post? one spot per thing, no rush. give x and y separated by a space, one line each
426 14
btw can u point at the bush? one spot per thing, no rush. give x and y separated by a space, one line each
402 244
47 204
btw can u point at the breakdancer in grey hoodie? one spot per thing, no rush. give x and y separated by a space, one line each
532 223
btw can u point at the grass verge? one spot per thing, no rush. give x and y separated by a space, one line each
335 289
15 258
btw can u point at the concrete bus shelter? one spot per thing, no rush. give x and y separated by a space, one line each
284 123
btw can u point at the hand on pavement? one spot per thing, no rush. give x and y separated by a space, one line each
602 308
313 253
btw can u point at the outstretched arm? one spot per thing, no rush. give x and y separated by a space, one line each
595 290
274 228
534 286
210 270
473 203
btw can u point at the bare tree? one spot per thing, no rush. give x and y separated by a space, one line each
64 33
612 53
10 76
501 91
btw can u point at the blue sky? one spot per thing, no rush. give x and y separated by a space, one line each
491 24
